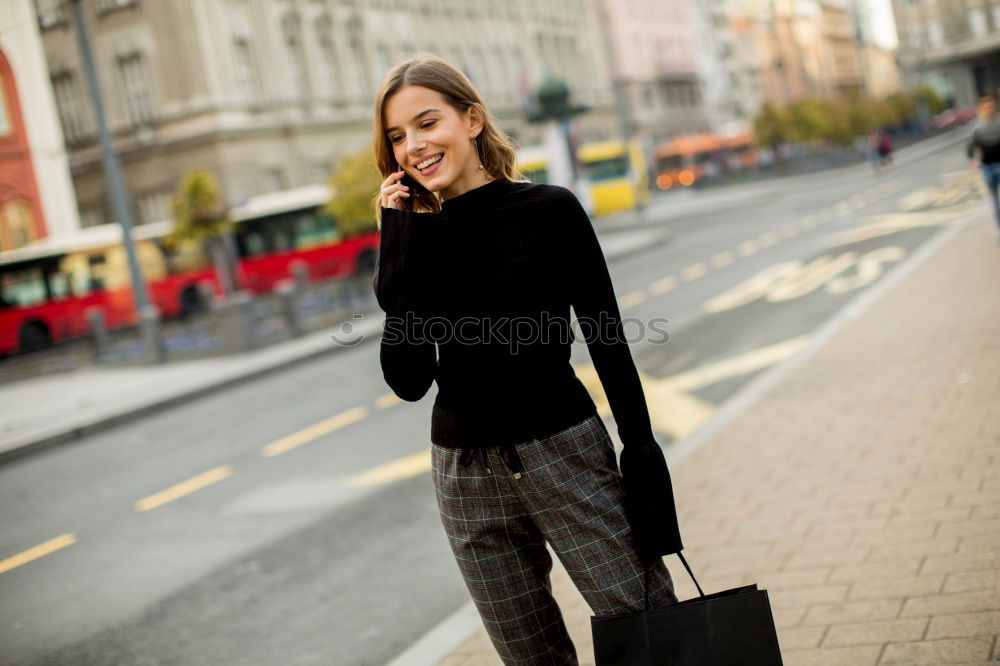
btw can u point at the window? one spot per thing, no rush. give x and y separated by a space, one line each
245 67
357 67
298 76
607 168
24 287
51 14
935 36
72 114
273 180
108 6
977 22
92 216
6 124
330 83
154 207
382 63
133 82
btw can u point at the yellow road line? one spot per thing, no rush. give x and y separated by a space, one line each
733 366
722 259
632 298
387 400
314 431
394 470
184 488
663 285
747 248
35 552
768 239
694 271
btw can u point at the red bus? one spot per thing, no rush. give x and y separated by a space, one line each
47 286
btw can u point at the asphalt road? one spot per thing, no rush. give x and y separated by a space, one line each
292 554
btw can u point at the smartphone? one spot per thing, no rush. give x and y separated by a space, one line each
412 184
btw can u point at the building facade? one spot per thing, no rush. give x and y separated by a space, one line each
268 93
36 197
653 47
732 32
952 45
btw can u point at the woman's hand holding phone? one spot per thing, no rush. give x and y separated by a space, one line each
393 190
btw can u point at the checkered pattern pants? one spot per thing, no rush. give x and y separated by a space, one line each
568 493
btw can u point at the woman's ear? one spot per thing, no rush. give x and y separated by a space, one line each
476 119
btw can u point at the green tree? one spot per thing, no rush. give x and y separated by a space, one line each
201 217
768 128
851 116
900 107
354 184
933 102
809 120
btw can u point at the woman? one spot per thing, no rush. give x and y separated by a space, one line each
483 267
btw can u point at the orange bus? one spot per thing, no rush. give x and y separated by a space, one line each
686 159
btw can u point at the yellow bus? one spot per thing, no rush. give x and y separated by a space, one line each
533 162
617 175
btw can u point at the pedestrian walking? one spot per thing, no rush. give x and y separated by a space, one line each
986 139
873 154
884 148
477 271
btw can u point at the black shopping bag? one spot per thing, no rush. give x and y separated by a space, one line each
720 629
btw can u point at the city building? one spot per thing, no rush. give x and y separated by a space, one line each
952 45
268 93
731 63
655 50
36 196
878 50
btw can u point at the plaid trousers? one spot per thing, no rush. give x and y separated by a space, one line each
566 490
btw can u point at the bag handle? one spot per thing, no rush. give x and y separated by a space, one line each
686 566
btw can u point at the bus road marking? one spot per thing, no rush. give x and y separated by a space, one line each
184 488
35 552
314 431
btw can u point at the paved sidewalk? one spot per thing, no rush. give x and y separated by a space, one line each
59 408
862 487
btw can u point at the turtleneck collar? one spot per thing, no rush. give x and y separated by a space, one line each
477 199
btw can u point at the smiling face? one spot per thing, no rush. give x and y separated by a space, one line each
422 126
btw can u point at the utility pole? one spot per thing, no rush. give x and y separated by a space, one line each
147 311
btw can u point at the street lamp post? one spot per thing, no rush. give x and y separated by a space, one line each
149 318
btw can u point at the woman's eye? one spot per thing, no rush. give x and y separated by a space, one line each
424 126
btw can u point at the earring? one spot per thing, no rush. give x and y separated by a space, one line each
476 144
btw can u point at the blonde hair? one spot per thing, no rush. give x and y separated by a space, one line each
496 149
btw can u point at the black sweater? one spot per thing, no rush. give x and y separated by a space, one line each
489 282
